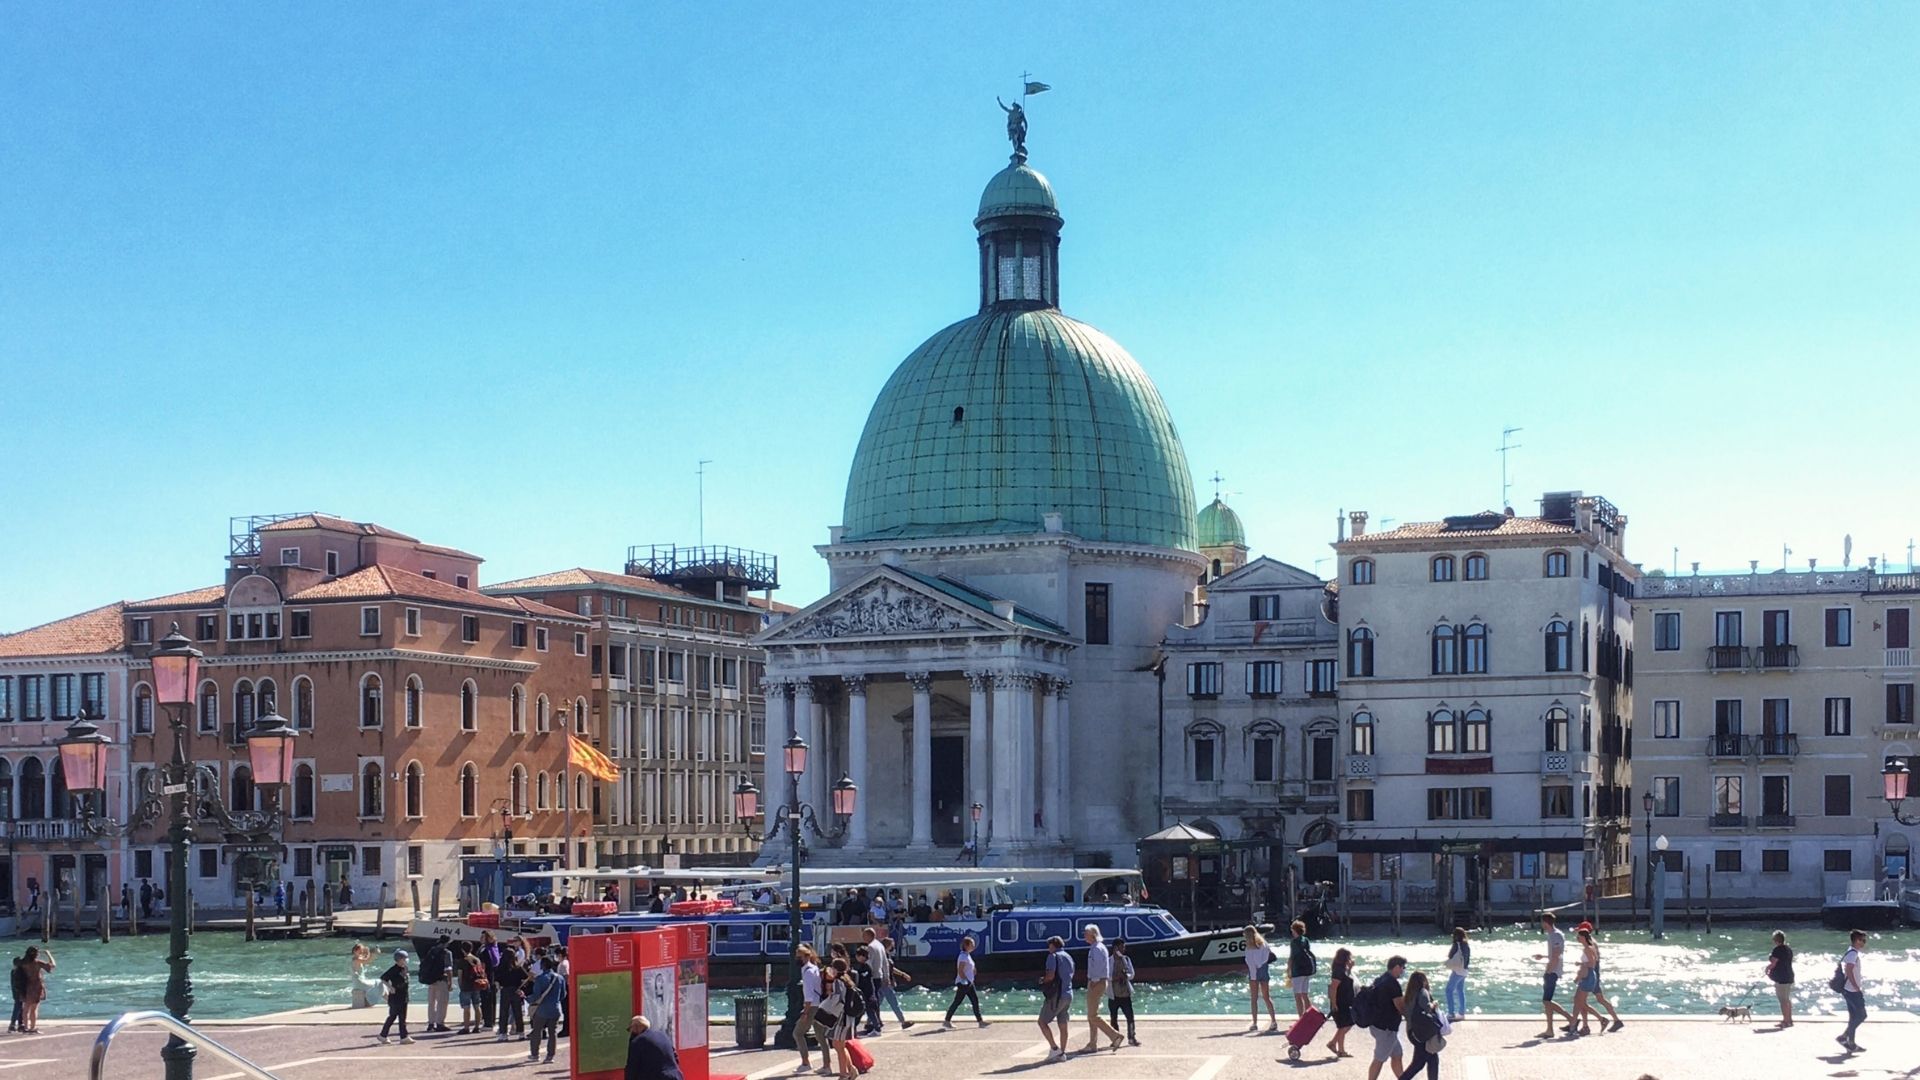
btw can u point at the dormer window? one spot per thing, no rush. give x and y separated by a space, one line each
289 556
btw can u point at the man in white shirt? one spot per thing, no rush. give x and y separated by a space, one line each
1556 966
881 964
1852 990
1099 971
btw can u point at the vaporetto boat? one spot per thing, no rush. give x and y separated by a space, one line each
1000 910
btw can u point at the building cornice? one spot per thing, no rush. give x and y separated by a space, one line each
358 656
862 550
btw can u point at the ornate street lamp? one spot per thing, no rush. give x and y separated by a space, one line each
794 817
975 811
1898 779
184 792
1646 811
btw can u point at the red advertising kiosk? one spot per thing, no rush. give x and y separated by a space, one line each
658 974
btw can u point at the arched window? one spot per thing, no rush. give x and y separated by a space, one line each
469 706
303 791
469 791
560 789
1474 567
242 788
33 790
517 710
1442 568
1264 747
209 709
1360 572
302 703
143 709
580 792
1586 645
579 716
6 789
266 698
243 704
1556 565
1360 652
1473 649
416 798
1203 752
1476 732
1558 722
517 790
62 803
542 720
1559 642
373 804
416 702
1440 732
1362 732
1446 650
541 796
371 715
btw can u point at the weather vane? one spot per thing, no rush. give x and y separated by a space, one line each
1017 116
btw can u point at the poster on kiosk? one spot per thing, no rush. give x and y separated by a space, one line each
659 974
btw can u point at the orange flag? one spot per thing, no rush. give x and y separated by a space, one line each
590 761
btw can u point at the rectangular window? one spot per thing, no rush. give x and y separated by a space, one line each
730 673
300 624
1774 717
1776 798
1443 804
1359 804
333 564
33 697
206 627
675 667
1900 703
289 556
1203 679
143 863
1099 597
1899 628
1773 862
1263 607
142 631
1321 677
1726 717
1775 628
1203 760
1556 801
416 859
1726 628
6 698
1839 627
461 581
579 644
1666 719
1263 772
1726 860
469 628
412 621
1726 795
1440 733
1838 861
370 861
1839 795
1839 712
540 639
64 701
517 634
703 672
1666 796
369 622
209 865
93 694
1476 803
1666 631
1263 678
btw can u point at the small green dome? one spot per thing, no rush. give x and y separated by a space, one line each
1012 414
1219 526
1017 189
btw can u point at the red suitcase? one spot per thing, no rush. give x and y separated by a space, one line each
862 1060
1303 1031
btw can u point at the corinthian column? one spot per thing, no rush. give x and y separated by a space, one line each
1059 750
922 758
979 770
773 784
857 756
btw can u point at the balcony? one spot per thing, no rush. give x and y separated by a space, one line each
1359 766
1556 763
1899 658
1777 745
1776 657
1726 746
1775 821
1726 658
1727 821
50 830
1308 795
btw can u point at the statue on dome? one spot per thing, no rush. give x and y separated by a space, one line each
1016 127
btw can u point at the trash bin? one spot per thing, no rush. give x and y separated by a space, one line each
750 1021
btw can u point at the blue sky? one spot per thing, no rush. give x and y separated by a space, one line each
499 275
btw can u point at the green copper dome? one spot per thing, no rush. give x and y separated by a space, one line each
1004 417
1018 189
1219 526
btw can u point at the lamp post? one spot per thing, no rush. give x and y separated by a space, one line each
793 817
1898 780
975 811
1646 811
184 792
502 847
1657 910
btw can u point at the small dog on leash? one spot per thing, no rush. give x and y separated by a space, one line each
1736 1012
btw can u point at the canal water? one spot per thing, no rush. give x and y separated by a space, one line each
1689 972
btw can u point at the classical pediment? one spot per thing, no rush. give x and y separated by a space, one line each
886 604
1264 573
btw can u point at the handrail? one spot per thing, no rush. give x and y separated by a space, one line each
97 1068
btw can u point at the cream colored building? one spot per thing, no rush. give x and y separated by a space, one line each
1485 700
1767 706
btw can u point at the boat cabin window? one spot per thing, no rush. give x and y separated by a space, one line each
736 933
1109 928
777 932
1042 929
1009 931
1139 928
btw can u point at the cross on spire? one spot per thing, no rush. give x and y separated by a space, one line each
1217 481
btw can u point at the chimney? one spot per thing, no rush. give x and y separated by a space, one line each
1811 564
1359 523
1339 526
1753 566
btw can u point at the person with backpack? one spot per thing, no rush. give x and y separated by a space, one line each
489 954
509 1012
1302 966
1378 1009
544 995
1056 988
1259 958
1423 1029
840 1009
862 972
1846 980
1122 983
436 974
475 987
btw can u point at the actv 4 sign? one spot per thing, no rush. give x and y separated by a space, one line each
659 974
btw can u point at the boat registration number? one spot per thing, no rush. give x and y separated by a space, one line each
1223 948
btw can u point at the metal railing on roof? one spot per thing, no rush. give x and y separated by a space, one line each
704 562
179 1029
243 533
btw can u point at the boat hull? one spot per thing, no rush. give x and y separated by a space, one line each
1869 915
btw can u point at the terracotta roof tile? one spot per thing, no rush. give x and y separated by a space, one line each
379 582
335 524
101 630
439 549
580 577
209 596
1473 527
774 606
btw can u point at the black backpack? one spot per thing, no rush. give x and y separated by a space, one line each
1363 1006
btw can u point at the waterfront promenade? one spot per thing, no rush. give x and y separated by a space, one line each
334 1044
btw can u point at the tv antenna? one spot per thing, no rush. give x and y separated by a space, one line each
1507 445
700 477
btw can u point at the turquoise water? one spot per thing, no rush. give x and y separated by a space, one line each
1690 972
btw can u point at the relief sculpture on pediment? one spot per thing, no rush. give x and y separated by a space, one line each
882 610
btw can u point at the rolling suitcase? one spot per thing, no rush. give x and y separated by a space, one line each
862 1059
1303 1031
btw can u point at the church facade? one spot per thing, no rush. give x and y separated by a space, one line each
1018 535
